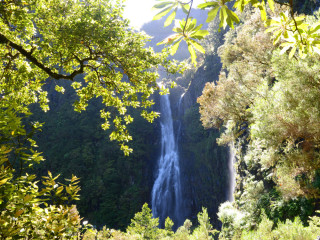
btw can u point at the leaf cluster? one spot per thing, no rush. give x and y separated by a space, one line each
73 40
295 32
29 212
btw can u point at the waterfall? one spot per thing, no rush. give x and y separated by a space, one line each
166 191
180 113
232 175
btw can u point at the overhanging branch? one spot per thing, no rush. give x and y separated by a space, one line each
28 55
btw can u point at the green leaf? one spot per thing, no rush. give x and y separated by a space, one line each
162 13
60 89
292 52
223 17
59 190
208 4
191 24
175 47
303 27
315 28
239 4
212 14
197 28
3 181
193 54
263 11
170 18
277 36
271 5
197 46
161 5
232 15
271 29
283 16
177 30
185 8
199 34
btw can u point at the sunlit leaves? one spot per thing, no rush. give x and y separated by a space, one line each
227 17
170 19
240 4
296 34
28 210
189 32
59 89
78 38
271 4
168 6
292 29
212 14
280 26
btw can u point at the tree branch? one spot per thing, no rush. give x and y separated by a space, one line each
295 22
28 55
285 4
184 28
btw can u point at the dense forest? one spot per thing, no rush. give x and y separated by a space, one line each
80 133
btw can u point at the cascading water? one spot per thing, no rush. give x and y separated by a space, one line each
232 175
166 192
180 113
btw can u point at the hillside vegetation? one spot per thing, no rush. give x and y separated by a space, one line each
265 102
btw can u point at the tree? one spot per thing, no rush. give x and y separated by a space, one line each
144 224
50 40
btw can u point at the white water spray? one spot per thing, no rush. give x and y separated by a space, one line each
232 175
166 191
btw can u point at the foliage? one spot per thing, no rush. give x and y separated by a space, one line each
232 221
295 31
293 144
33 212
265 101
284 230
247 65
63 40
144 226
263 86
113 186
205 229
191 32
